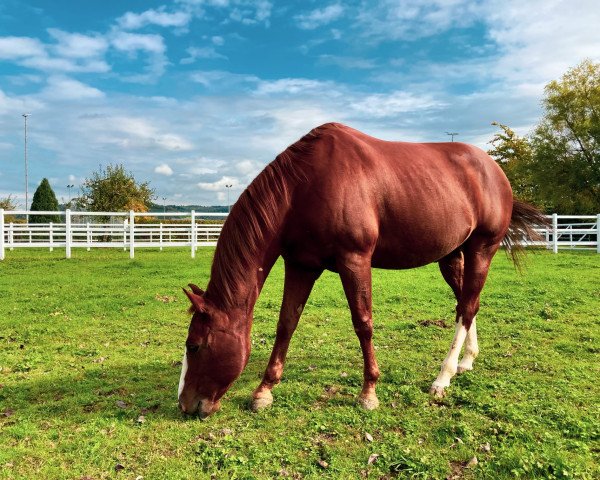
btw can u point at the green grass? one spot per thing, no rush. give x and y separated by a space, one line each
79 337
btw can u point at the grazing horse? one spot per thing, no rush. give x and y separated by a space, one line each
341 200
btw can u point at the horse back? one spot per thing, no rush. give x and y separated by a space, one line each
406 204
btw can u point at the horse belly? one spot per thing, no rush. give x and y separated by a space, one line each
410 246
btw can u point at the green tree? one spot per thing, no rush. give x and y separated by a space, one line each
566 143
115 190
514 154
558 165
44 199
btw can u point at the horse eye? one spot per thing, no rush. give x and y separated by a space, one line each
192 348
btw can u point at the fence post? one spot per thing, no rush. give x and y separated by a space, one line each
51 234
555 233
11 236
68 233
1 234
88 236
598 233
160 236
131 234
125 235
193 234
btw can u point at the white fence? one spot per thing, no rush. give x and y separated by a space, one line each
79 230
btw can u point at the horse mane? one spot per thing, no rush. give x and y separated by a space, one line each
257 216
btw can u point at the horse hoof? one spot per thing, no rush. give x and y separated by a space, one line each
463 368
368 403
262 402
437 391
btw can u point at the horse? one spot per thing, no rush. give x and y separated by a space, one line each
341 200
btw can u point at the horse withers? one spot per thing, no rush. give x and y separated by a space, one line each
341 200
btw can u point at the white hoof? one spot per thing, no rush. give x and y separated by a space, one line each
462 368
437 391
265 400
369 402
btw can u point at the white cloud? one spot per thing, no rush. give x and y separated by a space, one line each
218 40
76 45
64 88
201 52
389 105
72 52
164 169
222 78
152 44
18 47
293 86
219 185
248 12
134 21
413 19
132 42
319 17
132 132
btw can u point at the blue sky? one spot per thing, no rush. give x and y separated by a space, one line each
195 94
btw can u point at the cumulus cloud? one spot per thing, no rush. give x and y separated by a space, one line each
60 87
201 52
319 17
164 169
220 184
389 105
134 21
76 45
293 86
18 47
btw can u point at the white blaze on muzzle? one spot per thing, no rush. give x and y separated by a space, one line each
184 367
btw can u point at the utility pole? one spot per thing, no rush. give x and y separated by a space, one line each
452 134
25 115
164 199
228 187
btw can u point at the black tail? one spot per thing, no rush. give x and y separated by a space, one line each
523 221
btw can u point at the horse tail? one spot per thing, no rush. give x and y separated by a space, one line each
523 221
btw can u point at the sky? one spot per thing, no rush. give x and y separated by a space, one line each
193 95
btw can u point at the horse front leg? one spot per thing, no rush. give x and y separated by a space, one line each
355 273
297 287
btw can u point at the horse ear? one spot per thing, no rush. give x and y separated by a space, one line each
198 302
196 289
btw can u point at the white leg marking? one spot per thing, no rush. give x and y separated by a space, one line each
184 367
471 349
450 364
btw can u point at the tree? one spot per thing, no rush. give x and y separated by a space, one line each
44 199
8 203
567 141
115 190
558 165
514 154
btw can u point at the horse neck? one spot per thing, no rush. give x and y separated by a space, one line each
235 285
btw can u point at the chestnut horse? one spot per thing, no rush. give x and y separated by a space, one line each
341 200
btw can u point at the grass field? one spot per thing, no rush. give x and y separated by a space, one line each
89 352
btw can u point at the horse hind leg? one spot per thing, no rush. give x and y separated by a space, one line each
452 268
355 273
477 258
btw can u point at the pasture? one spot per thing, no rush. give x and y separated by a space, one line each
89 365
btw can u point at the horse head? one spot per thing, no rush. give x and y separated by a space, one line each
215 356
